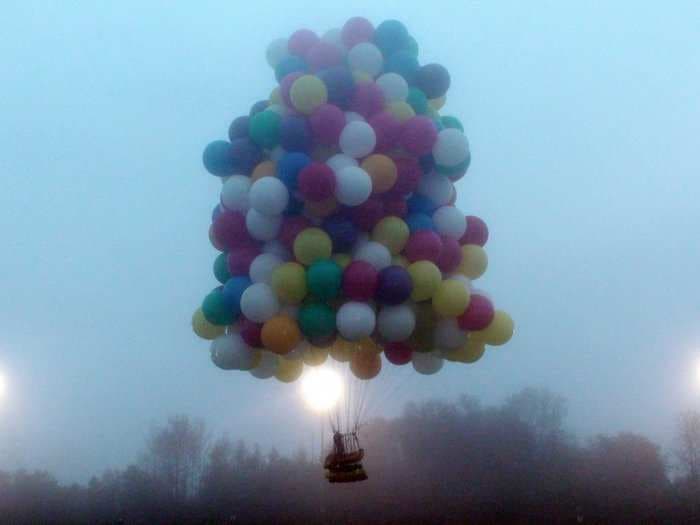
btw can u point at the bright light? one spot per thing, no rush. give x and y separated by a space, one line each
321 389
697 373
3 387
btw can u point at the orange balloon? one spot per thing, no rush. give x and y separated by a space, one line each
280 334
322 208
266 168
382 171
365 364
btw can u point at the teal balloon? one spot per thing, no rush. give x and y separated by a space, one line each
264 129
412 46
452 170
221 268
417 100
323 279
216 308
391 36
404 63
317 320
451 122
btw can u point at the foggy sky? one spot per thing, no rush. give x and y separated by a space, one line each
584 124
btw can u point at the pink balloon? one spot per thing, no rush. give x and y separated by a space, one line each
418 135
367 214
357 30
398 353
478 315
323 55
240 258
451 254
477 231
250 332
291 227
367 100
316 182
360 281
423 245
229 230
301 41
327 122
286 85
387 129
395 205
409 173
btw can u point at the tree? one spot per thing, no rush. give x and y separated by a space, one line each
688 452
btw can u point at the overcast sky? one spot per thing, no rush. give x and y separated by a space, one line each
584 124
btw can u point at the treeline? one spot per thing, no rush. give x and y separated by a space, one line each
438 462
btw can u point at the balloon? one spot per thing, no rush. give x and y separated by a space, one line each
395 205
402 111
289 371
366 57
374 253
262 227
340 86
307 93
238 128
367 100
449 221
311 245
450 299
327 122
341 350
291 227
218 158
340 161
357 139
392 232
276 247
419 221
229 229
355 320
269 196
315 356
289 166
426 279
498 332
418 101
394 285
426 363
478 314
276 51
474 261
263 266
234 193
409 173
290 64
360 281
251 332
245 155
353 186
221 268
317 182
341 231
289 282
418 135
357 30
301 41
323 279
391 36
368 214
423 245
241 257
317 320
229 352
333 36
382 171
267 366
217 310
436 187
280 334
451 122
450 255
259 303
264 129
393 86
471 352
476 231
398 353
324 55
433 80
448 335
422 337
233 290
451 147
204 328
342 260
321 209
386 129
295 133
365 365
396 323
404 63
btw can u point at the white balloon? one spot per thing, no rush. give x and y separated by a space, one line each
262 267
339 161
353 186
396 323
393 86
451 147
229 352
374 253
234 193
269 196
276 51
262 227
357 139
277 153
436 187
267 366
426 363
449 221
259 303
366 57
355 320
448 335
352 116
275 247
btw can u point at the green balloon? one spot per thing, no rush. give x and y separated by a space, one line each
452 170
417 100
452 122
323 279
412 46
216 310
317 320
264 129
221 268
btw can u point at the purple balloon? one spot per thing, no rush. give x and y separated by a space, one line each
295 134
342 232
340 85
394 285
246 155
327 122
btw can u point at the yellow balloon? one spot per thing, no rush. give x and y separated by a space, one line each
307 93
275 97
401 110
426 279
311 245
392 232
474 261
437 103
400 260
451 298
361 77
289 282
498 332
367 345
342 259
289 370
471 352
341 350
314 356
204 328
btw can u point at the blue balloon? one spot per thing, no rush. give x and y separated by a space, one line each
295 206
233 290
260 105
340 85
238 128
419 221
391 36
290 64
420 204
246 155
289 166
219 159
295 133
342 232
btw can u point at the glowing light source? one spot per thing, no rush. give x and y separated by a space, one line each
3 386
321 389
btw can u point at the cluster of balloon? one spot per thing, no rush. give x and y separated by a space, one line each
336 224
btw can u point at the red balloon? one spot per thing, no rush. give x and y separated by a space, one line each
368 99
323 55
477 231
301 41
240 258
387 129
316 182
418 135
395 205
398 353
327 122
250 332
423 245
229 230
291 227
368 214
409 173
478 315
451 254
356 30
360 281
